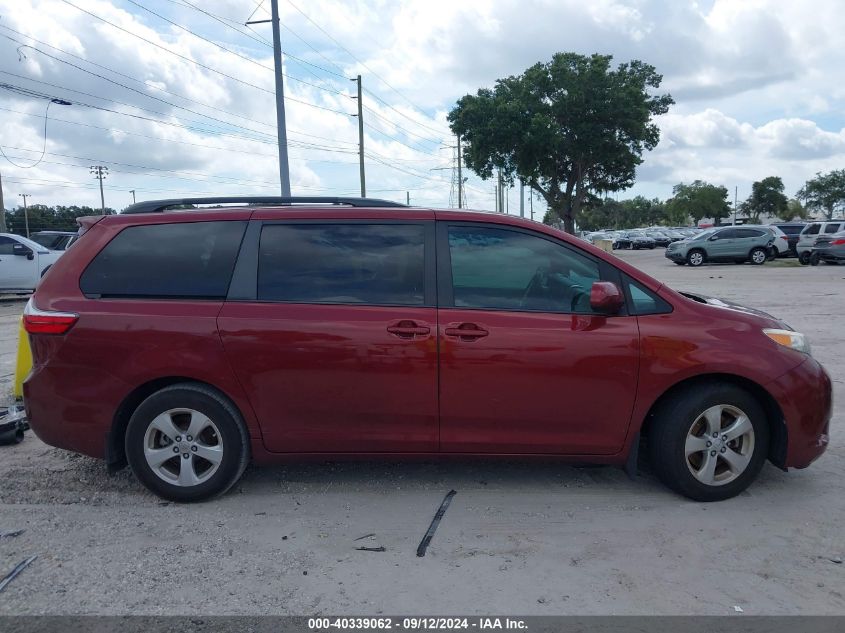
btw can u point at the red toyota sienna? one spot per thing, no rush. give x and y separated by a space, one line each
188 342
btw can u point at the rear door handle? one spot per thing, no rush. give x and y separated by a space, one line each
408 329
467 331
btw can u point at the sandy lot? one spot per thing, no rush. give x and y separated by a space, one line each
519 537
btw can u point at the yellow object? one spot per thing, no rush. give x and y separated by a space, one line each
24 361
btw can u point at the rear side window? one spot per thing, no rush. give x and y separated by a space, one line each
831 228
791 230
742 233
375 264
180 260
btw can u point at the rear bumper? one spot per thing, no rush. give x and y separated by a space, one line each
805 396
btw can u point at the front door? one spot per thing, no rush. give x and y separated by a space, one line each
525 364
16 271
337 350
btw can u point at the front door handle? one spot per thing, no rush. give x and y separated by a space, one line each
408 329
467 331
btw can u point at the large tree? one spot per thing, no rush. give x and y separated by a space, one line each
766 199
699 200
825 193
567 128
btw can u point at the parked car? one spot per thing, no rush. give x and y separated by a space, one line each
829 249
727 244
792 230
780 246
659 237
811 232
22 263
360 328
54 240
633 240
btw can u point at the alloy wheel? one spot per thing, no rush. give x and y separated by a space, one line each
183 447
719 445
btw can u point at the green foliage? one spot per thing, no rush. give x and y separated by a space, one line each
612 214
44 218
699 200
794 209
566 128
825 193
766 199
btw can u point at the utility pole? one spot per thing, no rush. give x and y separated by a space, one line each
100 174
281 128
521 198
460 177
25 211
361 137
408 198
736 193
132 191
501 208
531 201
2 208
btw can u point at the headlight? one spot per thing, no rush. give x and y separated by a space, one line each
788 338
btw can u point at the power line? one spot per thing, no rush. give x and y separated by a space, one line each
50 102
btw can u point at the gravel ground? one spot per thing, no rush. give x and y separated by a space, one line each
520 537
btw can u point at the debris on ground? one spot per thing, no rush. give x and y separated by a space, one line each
434 522
370 535
11 534
14 573
380 548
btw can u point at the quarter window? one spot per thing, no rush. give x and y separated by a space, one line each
185 260
509 270
375 264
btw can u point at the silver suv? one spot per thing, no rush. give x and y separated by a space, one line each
724 244
811 233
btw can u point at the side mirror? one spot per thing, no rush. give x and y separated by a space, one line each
606 297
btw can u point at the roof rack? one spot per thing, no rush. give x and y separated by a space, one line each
158 206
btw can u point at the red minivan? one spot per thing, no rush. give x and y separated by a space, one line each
188 342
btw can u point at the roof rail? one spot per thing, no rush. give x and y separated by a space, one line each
158 206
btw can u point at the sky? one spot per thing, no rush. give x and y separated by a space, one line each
176 97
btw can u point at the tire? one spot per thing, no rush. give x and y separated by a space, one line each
804 258
680 422
696 257
758 256
221 436
814 259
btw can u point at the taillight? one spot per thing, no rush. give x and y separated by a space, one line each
37 321
838 242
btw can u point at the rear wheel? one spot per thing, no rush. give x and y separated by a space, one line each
695 257
187 442
709 442
758 256
804 258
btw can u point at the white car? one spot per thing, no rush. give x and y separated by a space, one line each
780 243
23 263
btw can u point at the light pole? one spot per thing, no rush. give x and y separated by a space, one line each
25 211
132 191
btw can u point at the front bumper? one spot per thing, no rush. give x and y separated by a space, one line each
805 396
675 256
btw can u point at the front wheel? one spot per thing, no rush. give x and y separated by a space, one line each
758 256
695 258
187 442
709 442
804 258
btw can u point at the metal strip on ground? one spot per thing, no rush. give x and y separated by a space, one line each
435 521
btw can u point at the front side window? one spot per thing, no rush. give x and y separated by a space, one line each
644 301
190 260
501 269
7 245
376 264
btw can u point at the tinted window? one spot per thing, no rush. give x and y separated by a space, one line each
791 229
726 234
831 228
191 259
749 233
381 264
813 229
6 245
509 270
645 301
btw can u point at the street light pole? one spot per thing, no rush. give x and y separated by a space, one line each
25 211
132 191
